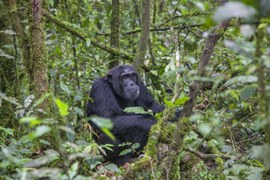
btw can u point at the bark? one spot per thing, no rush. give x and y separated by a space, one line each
262 93
39 53
204 61
21 36
142 47
115 23
82 34
8 80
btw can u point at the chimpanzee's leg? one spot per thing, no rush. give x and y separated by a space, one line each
132 129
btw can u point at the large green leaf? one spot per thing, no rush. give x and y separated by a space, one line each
247 92
32 120
136 110
104 124
62 107
40 130
242 79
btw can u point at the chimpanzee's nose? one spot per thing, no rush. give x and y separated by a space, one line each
131 84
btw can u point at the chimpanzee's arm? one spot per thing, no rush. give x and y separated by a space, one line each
146 100
103 101
126 124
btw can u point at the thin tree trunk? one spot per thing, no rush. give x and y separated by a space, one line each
39 53
262 94
172 160
142 47
115 24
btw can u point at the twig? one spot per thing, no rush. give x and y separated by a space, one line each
207 156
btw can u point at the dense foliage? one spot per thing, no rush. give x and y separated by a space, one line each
44 131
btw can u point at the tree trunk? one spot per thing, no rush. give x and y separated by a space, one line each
181 128
19 29
115 24
262 92
142 47
8 80
39 53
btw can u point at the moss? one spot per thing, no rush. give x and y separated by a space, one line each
175 168
38 63
167 133
150 148
8 81
138 167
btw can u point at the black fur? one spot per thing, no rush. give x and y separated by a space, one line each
110 97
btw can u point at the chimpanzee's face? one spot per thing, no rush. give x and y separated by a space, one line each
129 82
124 80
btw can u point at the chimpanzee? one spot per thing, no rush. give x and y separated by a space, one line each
110 95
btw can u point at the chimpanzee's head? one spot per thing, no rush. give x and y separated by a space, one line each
124 80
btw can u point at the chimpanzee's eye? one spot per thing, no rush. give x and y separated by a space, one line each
125 77
134 77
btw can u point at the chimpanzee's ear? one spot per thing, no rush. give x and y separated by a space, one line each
109 78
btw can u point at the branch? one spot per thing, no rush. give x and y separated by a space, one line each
211 41
158 29
183 16
77 31
206 156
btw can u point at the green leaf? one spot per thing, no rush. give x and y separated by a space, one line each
124 152
124 144
8 131
62 107
181 101
104 124
234 94
247 92
69 132
108 133
205 128
168 103
41 99
79 111
73 170
40 130
32 120
135 146
65 88
50 156
190 46
107 146
88 42
137 110
51 3
113 168
242 79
